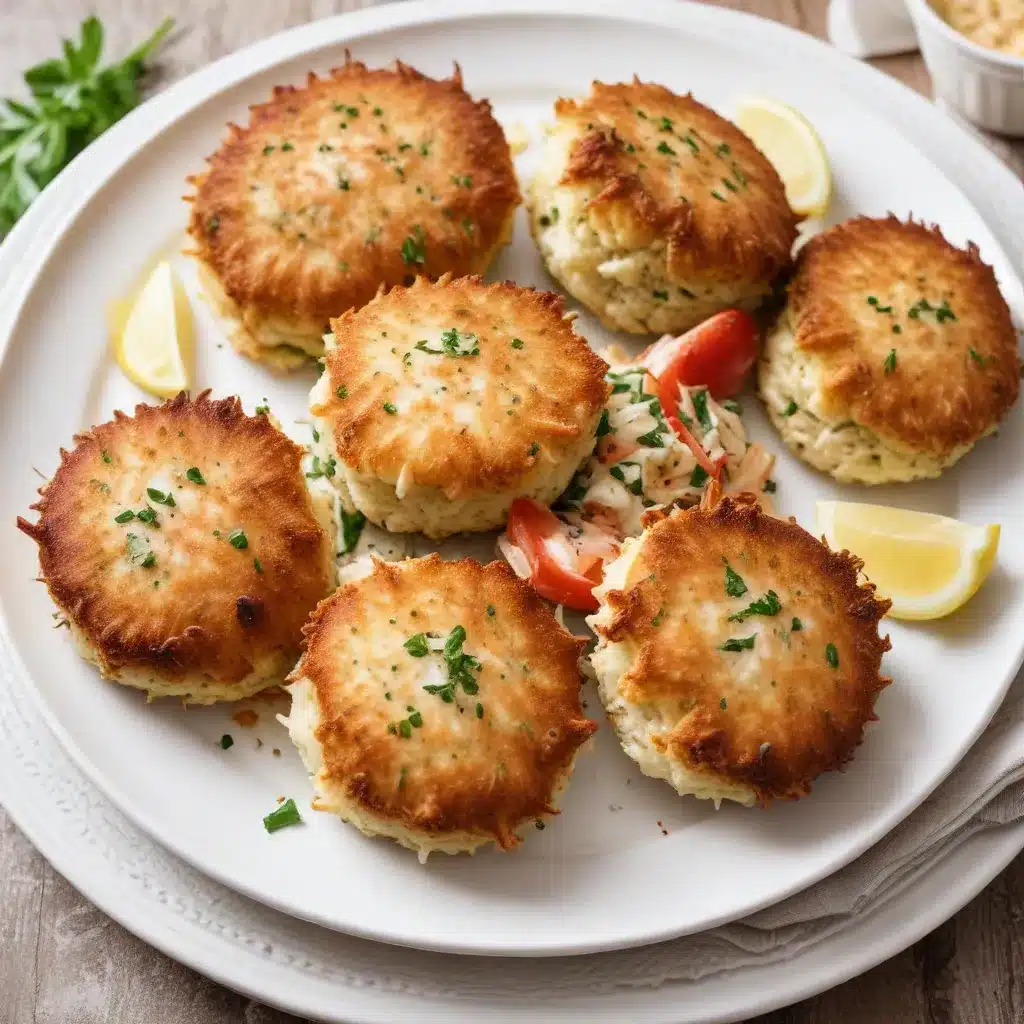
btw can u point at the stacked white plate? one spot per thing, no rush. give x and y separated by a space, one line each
143 811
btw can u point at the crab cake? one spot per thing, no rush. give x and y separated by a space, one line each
440 404
437 703
655 212
184 549
894 354
360 179
738 657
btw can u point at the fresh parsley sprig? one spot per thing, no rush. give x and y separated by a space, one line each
73 102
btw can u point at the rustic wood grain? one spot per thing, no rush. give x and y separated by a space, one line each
62 961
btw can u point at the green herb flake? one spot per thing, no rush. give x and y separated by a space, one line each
832 655
105 456
791 408
517 343
341 392
700 407
796 625
352 524
734 585
603 425
533 449
723 704
770 487
698 477
193 474
659 293
124 517
490 610
976 356
149 561
719 196
767 605
282 816
479 710
389 408
733 406
890 362
237 539
160 497
405 728
664 147
417 645
226 742
414 249
739 643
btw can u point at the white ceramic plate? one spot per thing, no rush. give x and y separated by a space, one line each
601 877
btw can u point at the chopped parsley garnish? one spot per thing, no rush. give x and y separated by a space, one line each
213 224
790 409
796 625
873 301
767 605
976 356
124 517
652 439
700 407
282 816
698 477
462 181
635 486
262 410
389 408
890 362
267 150
344 184
896 329
405 728
832 655
319 469
352 524
664 147
603 426
286 147
453 343
414 249
341 392
733 406
459 664
377 112
659 618
257 565
734 585
226 742
517 343
660 294
533 449
718 196
105 456
723 704
149 561
479 710
770 487
147 515
237 539
739 643
160 497
194 475
665 124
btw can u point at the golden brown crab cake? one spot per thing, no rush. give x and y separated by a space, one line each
738 657
442 403
363 178
185 550
894 354
655 212
438 703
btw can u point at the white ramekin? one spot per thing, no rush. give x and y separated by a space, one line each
984 85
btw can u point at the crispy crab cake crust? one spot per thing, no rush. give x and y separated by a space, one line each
439 443
359 179
203 622
923 385
656 212
748 725
474 770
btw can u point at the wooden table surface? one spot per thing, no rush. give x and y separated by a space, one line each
62 961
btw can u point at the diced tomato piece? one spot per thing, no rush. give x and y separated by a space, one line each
530 524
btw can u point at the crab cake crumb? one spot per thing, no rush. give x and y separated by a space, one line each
738 657
437 703
440 404
894 354
184 549
655 212
359 179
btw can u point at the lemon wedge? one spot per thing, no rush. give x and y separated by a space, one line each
928 565
790 142
153 336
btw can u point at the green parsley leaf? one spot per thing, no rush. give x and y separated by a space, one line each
664 147
790 409
652 439
734 585
105 456
124 517
796 625
517 343
832 655
160 497
770 487
479 710
389 408
282 816
976 356
414 249
603 426
352 524
194 475
341 392
733 406
417 645
258 566
739 643
890 362
767 605
226 742
698 477
147 515
700 407
453 343
237 539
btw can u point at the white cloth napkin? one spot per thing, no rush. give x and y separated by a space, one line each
870 28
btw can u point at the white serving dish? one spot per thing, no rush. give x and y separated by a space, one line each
984 85
553 896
